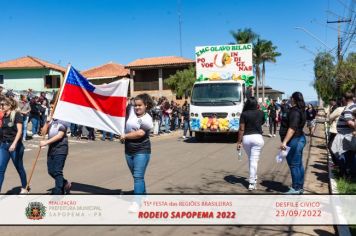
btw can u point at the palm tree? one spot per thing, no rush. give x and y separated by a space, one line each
269 55
244 36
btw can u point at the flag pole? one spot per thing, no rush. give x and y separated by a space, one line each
45 128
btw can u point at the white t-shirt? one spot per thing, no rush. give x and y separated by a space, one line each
134 123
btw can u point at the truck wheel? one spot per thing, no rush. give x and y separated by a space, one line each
199 136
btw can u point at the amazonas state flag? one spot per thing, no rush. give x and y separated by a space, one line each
98 106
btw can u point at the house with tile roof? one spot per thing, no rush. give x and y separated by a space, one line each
30 72
148 74
106 73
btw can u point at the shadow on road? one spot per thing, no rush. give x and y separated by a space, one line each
273 186
86 188
232 179
15 190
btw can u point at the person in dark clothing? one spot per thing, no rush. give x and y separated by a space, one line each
292 136
57 154
185 121
35 116
311 122
273 118
11 146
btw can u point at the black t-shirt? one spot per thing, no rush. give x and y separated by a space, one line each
253 120
8 130
272 110
185 115
296 120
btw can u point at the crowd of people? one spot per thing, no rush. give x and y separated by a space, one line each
145 114
341 117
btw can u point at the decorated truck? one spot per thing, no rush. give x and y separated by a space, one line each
223 74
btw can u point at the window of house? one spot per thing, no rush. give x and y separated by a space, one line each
1 79
52 81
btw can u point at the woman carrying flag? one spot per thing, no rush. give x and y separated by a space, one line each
137 142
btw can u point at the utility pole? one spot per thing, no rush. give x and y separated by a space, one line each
180 27
339 43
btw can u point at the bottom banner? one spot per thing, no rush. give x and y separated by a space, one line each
178 210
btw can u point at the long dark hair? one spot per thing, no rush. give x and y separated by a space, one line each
146 99
299 100
251 104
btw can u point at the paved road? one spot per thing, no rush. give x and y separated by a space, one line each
176 166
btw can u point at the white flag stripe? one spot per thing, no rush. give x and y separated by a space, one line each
118 88
89 117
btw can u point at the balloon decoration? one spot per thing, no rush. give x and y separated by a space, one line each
234 124
195 124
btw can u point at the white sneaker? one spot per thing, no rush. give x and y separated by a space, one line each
35 136
270 135
274 135
252 187
24 191
183 137
134 207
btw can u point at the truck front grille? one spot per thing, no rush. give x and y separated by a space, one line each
217 114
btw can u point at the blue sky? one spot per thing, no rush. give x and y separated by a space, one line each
89 33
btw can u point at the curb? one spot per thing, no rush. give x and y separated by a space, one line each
343 230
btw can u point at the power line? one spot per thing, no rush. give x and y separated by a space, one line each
342 3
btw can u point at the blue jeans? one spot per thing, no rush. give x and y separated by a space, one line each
35 125
73 129
110 134
16 157
24 127
166 123
295 161
55 165
185 127
137 164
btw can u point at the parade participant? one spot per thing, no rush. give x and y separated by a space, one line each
11 142
57 153
311 122
137 140
250 135
292 135
273 118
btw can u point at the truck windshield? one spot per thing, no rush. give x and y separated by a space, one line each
216 93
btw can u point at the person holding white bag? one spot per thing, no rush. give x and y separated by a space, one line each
250 137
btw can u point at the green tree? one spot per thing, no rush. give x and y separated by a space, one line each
268 54
246 35
181 83
324 71
346 74
242 36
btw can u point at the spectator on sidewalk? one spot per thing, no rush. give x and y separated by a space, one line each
166 111
273 118
292 136
111 136
311 119
185 121
35 116
341 146
333 119
11 146
250 137
25 110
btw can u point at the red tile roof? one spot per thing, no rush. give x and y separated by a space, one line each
109 70
159 61
29 62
